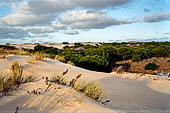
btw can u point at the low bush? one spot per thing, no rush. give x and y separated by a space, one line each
151 66
136 58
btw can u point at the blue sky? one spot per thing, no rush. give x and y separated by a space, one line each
24 21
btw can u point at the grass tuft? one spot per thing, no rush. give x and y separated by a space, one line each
60 58
91 89
71 63
39 56
14 79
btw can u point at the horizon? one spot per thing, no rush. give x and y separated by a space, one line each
56 21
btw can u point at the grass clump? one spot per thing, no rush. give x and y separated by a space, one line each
91 89
18 52
39 56
14 79
2 53
60 58
59 80
32 60
71 63
120 70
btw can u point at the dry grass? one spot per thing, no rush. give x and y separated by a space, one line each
59 80
91 89
120 70
32 60
138 67
14 79
73 81
39 56
71 63
60 58
2 53
18 52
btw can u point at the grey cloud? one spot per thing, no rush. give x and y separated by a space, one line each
100 4
157 17
12 33
71 32
52 6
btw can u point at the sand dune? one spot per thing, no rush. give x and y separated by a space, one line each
127 92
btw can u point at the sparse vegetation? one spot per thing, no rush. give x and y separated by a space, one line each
120 70
32 60
14 79
60 58
39 56
91 89
71 63
2 53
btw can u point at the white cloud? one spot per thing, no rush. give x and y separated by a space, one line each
90 20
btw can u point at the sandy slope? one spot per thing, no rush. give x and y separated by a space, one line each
127 92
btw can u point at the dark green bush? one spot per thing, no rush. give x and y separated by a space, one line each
95 63
125 52
160 51
136 58
151 66
46 50
8 47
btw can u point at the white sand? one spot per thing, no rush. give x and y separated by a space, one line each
127 92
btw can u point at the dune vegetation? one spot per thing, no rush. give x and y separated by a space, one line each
14 78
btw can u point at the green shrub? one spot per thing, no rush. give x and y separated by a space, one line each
136 58
151 66
94 63
160 51
125 52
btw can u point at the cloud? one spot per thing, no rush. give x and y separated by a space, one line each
26 19
53 6
43 29
90 20
7 32
71 32
99 4
142 40
157 17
